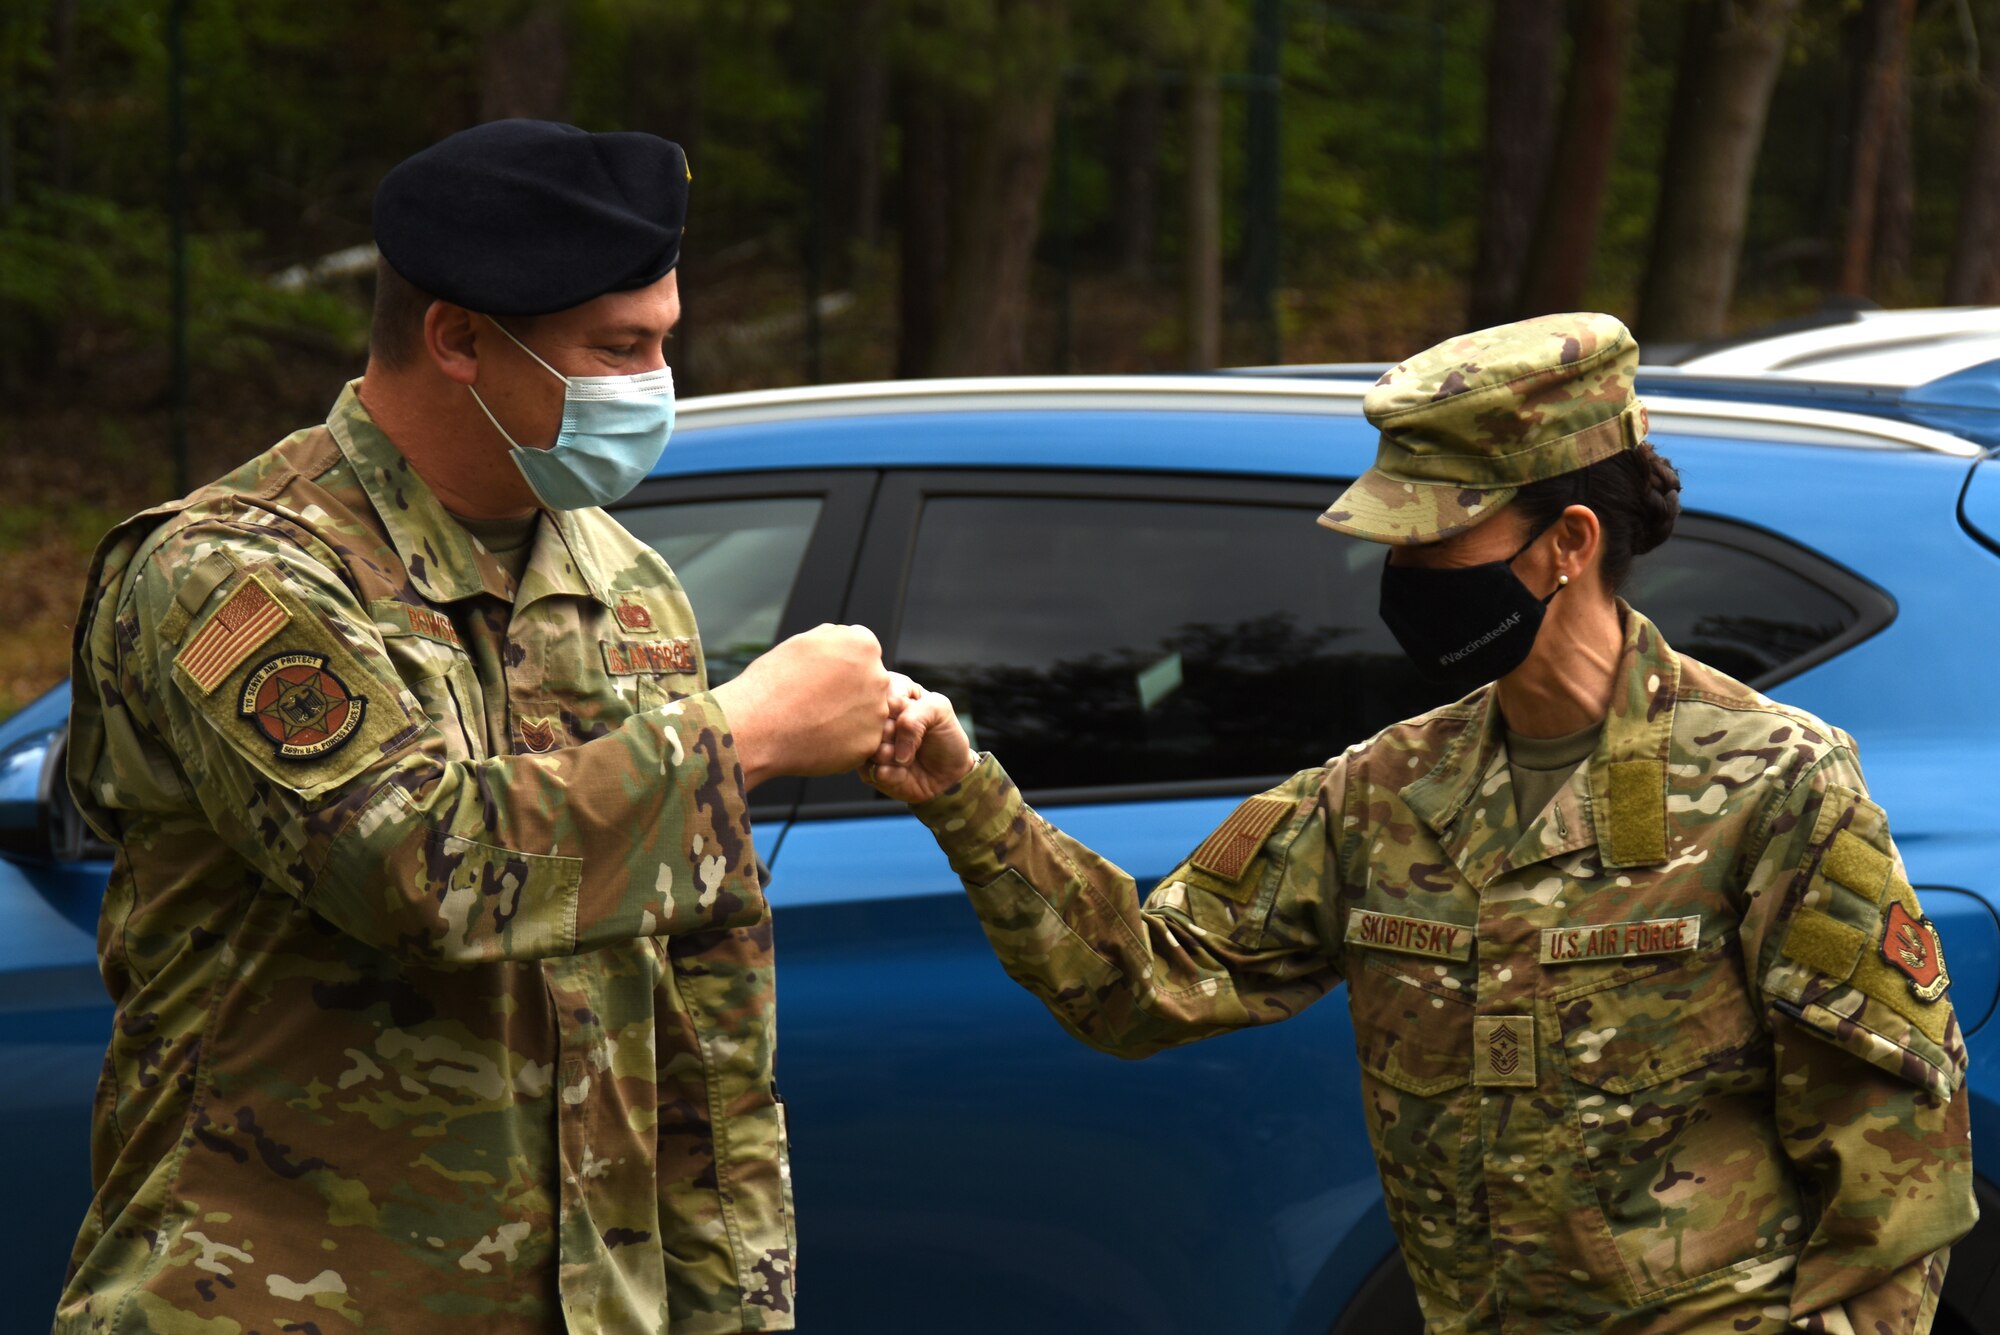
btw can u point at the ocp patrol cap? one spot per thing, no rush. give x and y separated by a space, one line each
525 217
1467 423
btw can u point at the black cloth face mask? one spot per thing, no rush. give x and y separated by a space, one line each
1463 626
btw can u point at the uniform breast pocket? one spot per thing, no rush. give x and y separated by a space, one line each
651 692
442 679
1672 1082
1414 1042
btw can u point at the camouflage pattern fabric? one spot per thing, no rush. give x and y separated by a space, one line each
439 945
1659 1061
1466 423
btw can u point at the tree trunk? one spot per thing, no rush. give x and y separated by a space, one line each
1974 277
7 186
1883 30
999 203
1722 94
1204 219
523 67
62 95
923 223
1896 206
673 109
1135 174
1520 124
857 86
1565 238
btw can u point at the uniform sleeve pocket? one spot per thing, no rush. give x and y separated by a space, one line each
461 902
263 670
1412 1037
1647 1023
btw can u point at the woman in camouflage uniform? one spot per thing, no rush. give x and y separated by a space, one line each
1653 1031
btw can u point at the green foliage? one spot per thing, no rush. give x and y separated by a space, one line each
294 111
74 259
1382 138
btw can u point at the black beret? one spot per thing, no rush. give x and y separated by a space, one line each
521 217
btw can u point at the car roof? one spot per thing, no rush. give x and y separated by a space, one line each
1309 425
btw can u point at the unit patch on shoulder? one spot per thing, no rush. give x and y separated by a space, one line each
1911 946
301 708
245 620
1227 852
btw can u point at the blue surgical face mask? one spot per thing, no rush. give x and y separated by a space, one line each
614 428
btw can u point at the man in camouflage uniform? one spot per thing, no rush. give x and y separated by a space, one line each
437 936
1673 1054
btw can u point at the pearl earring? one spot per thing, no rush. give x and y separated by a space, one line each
1562 581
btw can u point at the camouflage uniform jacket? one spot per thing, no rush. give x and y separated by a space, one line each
440 951
1674 1056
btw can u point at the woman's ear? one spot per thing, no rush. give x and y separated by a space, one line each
452 341
1579 539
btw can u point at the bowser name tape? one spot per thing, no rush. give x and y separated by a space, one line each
1411 936
1620 940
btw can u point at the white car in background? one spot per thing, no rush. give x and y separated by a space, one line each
1866 347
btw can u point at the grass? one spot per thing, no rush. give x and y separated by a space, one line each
44 553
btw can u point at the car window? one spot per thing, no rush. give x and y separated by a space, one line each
1102 641
1722 595
738 561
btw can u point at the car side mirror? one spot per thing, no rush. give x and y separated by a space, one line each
37 817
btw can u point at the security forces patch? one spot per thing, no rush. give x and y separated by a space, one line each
1911 946
301 707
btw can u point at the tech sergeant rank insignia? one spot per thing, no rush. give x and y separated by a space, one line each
305 710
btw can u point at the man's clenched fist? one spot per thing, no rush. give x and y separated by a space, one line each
815 704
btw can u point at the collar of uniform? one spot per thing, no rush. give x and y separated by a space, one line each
1628 771
1465 800
445 562
1464 797
566 558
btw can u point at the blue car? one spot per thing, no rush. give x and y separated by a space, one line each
1120 583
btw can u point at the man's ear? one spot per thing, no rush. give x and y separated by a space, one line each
1578 536
451 338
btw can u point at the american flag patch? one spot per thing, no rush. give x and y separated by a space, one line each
1228 851
250 617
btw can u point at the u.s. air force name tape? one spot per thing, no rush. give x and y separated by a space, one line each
1620 940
